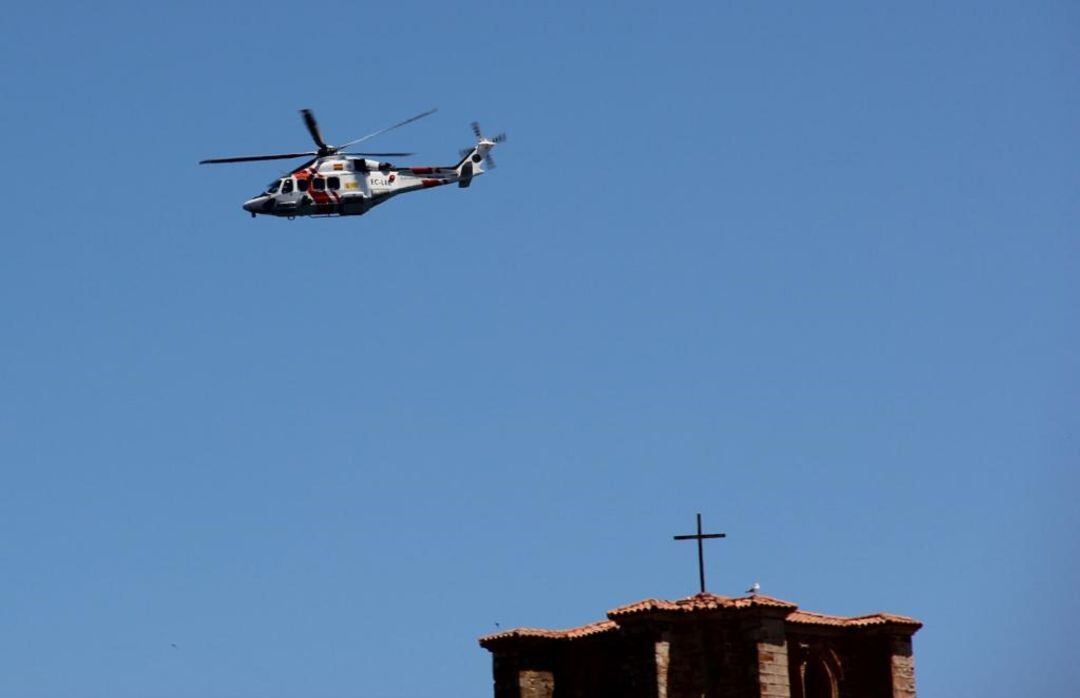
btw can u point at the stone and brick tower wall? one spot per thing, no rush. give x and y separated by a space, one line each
713 646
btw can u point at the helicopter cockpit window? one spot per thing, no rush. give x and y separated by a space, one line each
273 186
286 187
301 185
318 184
334 183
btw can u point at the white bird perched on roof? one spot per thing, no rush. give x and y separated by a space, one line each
754 588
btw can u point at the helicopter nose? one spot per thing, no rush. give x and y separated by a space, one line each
254 204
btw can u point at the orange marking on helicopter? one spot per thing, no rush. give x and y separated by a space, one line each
432 182
320 198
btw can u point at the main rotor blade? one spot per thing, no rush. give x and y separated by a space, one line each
253 158
383 155
313 129
389 128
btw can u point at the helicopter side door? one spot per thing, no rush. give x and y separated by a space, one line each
289 195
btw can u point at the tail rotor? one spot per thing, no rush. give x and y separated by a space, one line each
484 144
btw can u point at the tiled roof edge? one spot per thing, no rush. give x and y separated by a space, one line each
581 631
700 602
812 618
704 602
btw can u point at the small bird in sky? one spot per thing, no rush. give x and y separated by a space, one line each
754 588
174 645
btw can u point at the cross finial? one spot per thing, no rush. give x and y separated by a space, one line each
699 536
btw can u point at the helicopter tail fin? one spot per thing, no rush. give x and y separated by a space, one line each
466 156
474 161
479 156
477 160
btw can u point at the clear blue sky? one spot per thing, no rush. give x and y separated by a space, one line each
808 269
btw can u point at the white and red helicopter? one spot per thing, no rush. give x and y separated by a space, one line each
336 183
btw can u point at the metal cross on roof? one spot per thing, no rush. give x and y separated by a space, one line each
699 536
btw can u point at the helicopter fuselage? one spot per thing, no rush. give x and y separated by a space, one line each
335 182
342 185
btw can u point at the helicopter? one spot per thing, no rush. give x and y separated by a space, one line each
338 183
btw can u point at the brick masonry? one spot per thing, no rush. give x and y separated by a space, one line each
772 659
536 684
903 668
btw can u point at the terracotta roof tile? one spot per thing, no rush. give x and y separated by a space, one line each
704 602
699 602
601 626
811 618
761 600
